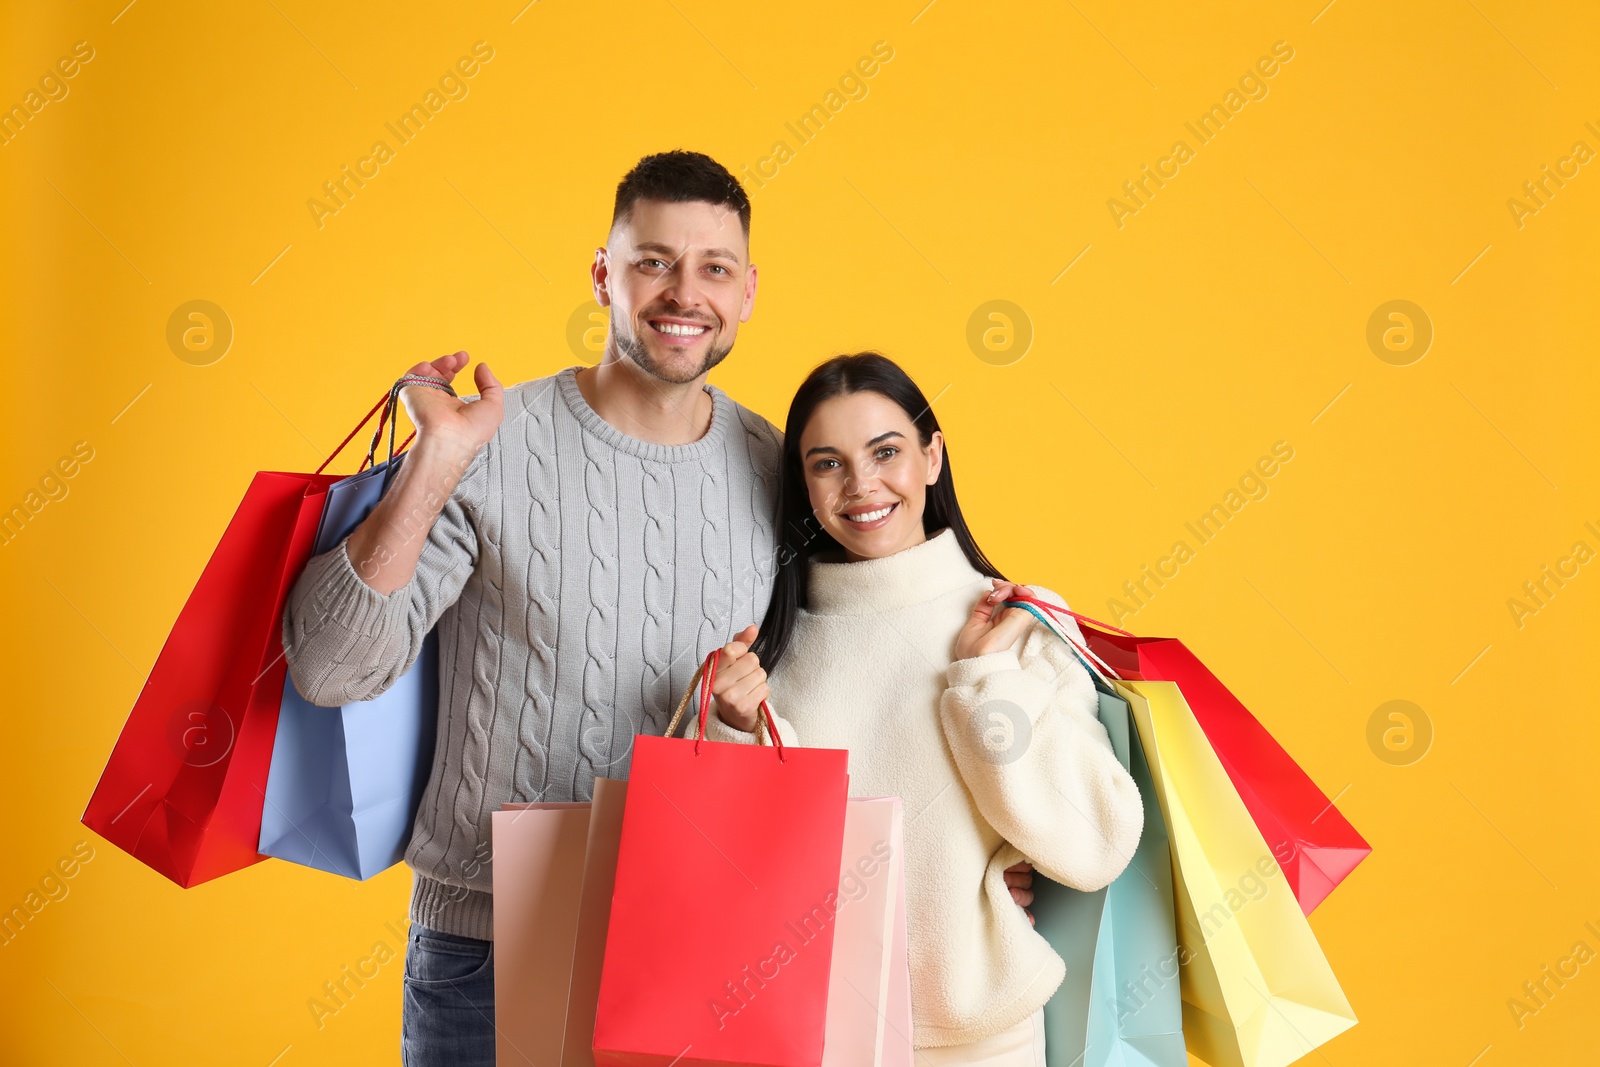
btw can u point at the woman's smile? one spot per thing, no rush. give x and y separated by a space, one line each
867 471
871 516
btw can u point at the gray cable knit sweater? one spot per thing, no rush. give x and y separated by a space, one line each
576 576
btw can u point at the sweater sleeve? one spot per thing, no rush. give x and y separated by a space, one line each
346 642
1022 726
717 730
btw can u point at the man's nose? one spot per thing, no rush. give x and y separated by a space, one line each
682 288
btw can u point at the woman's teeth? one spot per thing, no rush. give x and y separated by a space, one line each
674 329
870 516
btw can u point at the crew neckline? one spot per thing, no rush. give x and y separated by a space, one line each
722 417
916 575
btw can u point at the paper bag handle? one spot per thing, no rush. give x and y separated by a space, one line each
1057 609
382 403
704 676
391 414
386 409
1046 613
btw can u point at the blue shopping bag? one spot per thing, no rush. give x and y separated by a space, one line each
1119 1005
345 782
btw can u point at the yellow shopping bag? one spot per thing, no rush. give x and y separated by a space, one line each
1257 990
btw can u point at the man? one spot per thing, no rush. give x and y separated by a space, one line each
581 541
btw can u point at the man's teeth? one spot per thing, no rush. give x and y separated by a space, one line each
674 329
871 516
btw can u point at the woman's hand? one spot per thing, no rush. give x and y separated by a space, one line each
1019 879
741 684
990 629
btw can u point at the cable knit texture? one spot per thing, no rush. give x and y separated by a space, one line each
576 576
998 758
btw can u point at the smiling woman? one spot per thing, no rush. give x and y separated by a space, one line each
887 636
861 490
838 482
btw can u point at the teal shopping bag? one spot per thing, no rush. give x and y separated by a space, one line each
1119 1005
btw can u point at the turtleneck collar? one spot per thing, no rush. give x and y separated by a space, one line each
915 575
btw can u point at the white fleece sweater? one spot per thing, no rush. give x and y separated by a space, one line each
869 670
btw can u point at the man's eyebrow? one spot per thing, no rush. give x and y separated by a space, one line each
673 253
878 440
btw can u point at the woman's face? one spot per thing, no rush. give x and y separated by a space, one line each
867 473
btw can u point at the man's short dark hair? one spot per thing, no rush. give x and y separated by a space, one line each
680 177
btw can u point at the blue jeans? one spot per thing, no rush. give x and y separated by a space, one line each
447 1019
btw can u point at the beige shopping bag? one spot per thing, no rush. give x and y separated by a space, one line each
539 852
553 865
871 890
594 915
897 1051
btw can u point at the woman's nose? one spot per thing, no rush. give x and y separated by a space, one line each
857 483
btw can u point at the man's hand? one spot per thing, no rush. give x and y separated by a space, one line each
385 548
741 683
440 416
989 629
1019 879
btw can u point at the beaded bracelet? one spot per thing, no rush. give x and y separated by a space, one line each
422 379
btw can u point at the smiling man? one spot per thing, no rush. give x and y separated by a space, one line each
580 541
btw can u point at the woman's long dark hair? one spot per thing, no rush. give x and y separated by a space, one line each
801 535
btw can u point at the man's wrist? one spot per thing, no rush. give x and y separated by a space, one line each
446 448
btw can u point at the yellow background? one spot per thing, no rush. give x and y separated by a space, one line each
1229 313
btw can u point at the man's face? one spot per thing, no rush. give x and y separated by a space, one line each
678 281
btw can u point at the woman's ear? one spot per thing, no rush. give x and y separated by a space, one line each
935 456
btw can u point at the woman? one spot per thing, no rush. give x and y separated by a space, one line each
886 637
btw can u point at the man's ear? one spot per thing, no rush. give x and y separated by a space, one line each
749 294
935 456
599 273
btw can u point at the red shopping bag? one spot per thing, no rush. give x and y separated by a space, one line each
722 916
1314 844
184 787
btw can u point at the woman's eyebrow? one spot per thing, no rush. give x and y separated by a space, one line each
878 440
